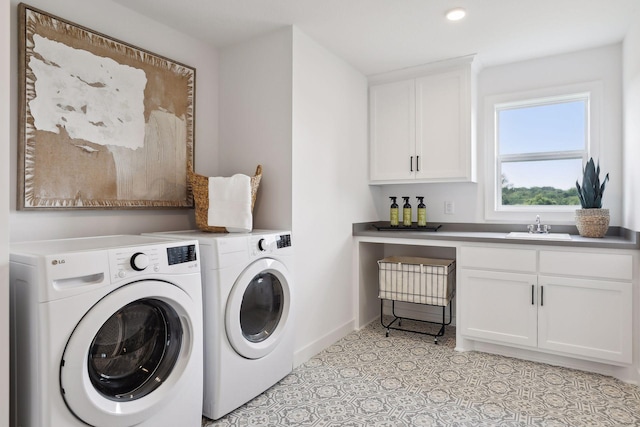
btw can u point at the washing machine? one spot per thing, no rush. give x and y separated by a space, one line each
248 314
106 331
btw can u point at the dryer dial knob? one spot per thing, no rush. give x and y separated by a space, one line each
139 261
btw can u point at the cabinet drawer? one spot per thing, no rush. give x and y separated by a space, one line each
508 259
585 264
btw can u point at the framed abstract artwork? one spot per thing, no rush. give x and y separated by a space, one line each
103 124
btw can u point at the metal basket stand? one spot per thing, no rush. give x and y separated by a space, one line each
425 281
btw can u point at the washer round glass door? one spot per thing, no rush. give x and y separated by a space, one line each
126 356
135 349
258 308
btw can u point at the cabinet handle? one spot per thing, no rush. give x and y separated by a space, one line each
411 164
417 163
541 296
533 302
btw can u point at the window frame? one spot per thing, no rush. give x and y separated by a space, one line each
494 210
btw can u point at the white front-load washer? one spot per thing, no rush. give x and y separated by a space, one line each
106 331
248 301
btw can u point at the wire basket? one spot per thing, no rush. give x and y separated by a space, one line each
200 189
418 280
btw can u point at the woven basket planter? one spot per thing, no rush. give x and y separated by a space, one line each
592 222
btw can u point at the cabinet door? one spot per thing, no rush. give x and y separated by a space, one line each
392 131
443 127
589 318
498 306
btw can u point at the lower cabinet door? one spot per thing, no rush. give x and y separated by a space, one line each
588 318
498 306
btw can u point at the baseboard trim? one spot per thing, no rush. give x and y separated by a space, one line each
625 373
310 350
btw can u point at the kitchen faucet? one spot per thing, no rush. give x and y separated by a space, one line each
538 227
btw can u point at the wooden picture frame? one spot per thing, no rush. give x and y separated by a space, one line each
103 124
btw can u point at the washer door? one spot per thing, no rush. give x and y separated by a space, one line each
126 356
258 308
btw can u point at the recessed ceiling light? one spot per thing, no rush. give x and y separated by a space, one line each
456 14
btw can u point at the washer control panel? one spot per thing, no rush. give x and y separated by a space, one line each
127 263
181 254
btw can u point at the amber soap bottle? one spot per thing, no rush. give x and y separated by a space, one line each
393 212
406 212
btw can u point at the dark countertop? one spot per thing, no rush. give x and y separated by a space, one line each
616 238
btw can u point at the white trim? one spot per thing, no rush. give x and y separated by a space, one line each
424 69
552 214
536 101
328 339
244 347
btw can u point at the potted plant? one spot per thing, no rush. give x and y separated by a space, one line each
592 220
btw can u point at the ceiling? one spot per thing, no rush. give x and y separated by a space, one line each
376 36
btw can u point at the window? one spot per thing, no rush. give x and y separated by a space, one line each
539 144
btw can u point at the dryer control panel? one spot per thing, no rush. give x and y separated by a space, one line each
270 243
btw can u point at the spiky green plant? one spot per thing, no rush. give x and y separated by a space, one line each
590 193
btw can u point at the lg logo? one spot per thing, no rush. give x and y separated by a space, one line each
57 261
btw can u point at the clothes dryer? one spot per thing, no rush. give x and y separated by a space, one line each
248 295
106 331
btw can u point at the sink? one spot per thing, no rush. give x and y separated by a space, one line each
538 236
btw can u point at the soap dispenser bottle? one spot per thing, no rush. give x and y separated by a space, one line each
406 212
422 212
393 213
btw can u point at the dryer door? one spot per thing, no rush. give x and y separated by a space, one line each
258 308
126 356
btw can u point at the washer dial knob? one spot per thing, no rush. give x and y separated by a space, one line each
139 261
263 245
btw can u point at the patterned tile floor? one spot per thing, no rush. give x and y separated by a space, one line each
366 379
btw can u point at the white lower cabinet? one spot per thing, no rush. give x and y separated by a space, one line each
494 306
510 301
588 318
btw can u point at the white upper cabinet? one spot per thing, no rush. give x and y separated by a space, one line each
421 128
393 130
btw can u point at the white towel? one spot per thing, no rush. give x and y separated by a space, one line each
230 203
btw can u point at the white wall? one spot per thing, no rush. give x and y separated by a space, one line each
121 23
301 112
5 141
255 121
330 189
631 83
603 63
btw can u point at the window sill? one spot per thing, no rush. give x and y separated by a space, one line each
527 215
